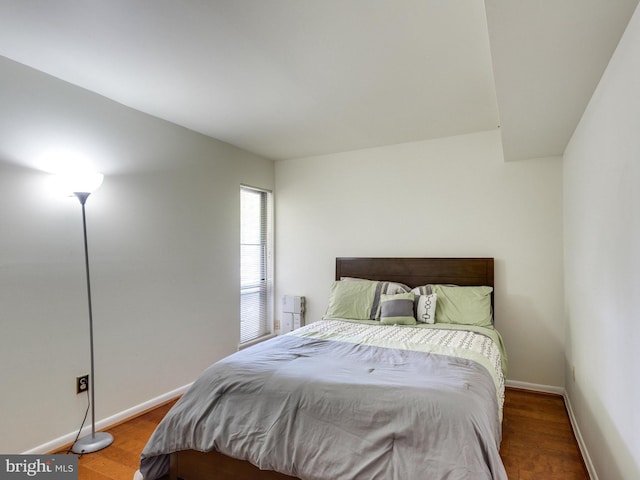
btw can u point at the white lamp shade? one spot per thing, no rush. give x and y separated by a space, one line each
79 182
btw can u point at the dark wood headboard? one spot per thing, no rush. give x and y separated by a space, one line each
419 271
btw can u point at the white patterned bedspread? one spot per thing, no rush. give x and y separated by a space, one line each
483 346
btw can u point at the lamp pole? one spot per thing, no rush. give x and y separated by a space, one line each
95 441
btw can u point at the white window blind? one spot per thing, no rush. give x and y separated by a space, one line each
256 312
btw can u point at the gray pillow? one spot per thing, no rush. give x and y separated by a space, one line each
397 309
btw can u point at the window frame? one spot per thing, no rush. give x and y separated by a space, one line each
269 268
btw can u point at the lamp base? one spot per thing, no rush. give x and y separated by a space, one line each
92 443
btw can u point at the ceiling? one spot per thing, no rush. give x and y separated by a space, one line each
295 78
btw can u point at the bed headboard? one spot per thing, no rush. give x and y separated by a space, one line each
419 271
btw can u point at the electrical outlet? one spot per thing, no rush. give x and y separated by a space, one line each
276 324
82 384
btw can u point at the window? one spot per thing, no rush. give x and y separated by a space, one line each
256 278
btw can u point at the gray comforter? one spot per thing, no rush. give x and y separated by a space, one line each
325 410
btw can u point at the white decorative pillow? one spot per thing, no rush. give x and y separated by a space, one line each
426 308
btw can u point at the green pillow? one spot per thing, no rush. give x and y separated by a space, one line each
352 300
390 288
464 305
397 309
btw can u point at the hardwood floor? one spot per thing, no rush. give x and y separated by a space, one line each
537 443
120 460
537 438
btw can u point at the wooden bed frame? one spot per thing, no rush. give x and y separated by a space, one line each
192 465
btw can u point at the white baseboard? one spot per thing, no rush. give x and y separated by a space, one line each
583 447
106 422
535 387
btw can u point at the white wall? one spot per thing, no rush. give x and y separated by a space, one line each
602 265
447 197
163 238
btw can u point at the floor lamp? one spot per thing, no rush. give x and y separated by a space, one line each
82 186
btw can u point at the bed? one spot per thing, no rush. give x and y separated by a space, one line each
379 396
